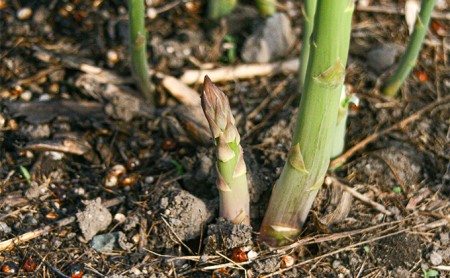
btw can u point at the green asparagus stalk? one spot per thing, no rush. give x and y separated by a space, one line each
409 59
309 156
231 169
266 7
220 8
341 123
139 65
308 23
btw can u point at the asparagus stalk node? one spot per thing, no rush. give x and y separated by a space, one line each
139 65
304 172
409 59
231 169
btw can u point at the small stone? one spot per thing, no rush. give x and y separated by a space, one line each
444 238
93 219
24 13
113 57
4 228
336 264
383 57
120 217
105 242
26 96
435 258
270 40
149 180
35 190
152 13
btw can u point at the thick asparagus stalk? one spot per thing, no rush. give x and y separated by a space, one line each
308 23
309 156
266 7
139 65
220 8
231 169
409 59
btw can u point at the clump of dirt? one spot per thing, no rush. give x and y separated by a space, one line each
402 250
181 217
225 235
93 219
398 164
267 265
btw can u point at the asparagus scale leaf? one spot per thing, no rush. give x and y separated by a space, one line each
231 169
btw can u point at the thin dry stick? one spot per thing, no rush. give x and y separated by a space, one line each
11 243
369 139
240 72
179 90
356 194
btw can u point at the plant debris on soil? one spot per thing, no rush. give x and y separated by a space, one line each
95 183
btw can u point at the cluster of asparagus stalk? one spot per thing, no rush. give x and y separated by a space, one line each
320 125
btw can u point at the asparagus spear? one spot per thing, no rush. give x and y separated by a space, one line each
308 24
231 169
409 59
139 65
309 156
266 7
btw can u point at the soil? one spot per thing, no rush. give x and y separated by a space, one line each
97 182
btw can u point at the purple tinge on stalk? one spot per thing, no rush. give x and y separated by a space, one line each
217 110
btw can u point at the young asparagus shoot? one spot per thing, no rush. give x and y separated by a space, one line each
409 59
309 155
231 169
139 65
266 7
341 123
308 11
220 8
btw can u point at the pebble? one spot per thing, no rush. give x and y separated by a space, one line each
270 40
112 56
105 242
120 217
435 258
24 13
152 13
26 96
336 264
2 121
383 57
149 179
4 228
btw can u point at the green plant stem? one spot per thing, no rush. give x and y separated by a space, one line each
266 7
309 156
231 169
409 59
308 23
341 126
139 65
220 8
